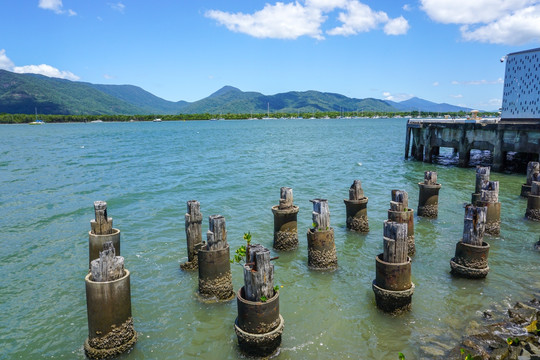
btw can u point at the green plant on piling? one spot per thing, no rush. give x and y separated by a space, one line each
467 356
242 252
401 356
263 298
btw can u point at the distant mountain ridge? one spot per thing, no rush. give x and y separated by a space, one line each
23 93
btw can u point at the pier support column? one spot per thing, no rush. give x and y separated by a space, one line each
285 222
321 246
533 202
499 156
490 199
356 208
193 223
392 286
470 259
215 280
533 169
259 325
108 302
428 149
101 231
401 213
428 199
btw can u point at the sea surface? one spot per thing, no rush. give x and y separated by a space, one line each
50 176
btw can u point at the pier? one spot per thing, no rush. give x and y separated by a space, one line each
517 130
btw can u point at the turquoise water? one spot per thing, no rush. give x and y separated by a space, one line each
52 174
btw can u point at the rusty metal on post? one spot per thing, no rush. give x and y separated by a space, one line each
471 256
215 279
533 201
321 246
392 286
285 222
356 209
108 301
428 199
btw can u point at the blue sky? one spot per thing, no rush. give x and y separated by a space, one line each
439 50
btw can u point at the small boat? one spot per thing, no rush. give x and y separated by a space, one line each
97 121
37 121
156 120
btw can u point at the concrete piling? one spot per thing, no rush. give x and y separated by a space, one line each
533 202
482 176
193 221
108 301
392 286
215 280
259 324
356 208
471 257
101 231
400 212
490 199
285 222
321 246
428 199
533 168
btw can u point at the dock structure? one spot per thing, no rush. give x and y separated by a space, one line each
517 130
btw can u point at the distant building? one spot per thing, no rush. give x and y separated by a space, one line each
521 95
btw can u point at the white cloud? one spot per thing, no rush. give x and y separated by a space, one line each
515 29
281 21
397 26
458 96
295 19
5 62
108 77
407 7
56 6
43 69
396 97
512 22
479 82
436 83
118 7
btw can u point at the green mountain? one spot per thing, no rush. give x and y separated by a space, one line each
23 93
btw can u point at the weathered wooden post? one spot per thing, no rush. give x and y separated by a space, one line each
533 168
471 257
533 202
108 303
285 221
193 234
392 286
101 231
482 176
490 199
356 207
259 324
321 246
428 199
400 212
215 280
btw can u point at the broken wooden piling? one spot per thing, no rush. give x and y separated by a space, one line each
533 168
321 246
108 302
356 208
215 280
482 176
392 286
101 231
489 197
428 199
533 201
193 221
259 324
285 222
471 256
400 212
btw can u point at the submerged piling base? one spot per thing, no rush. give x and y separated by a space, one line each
470 261
321 250
393 301
533 208
260 345
525 190
116 342
190 265
215 280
